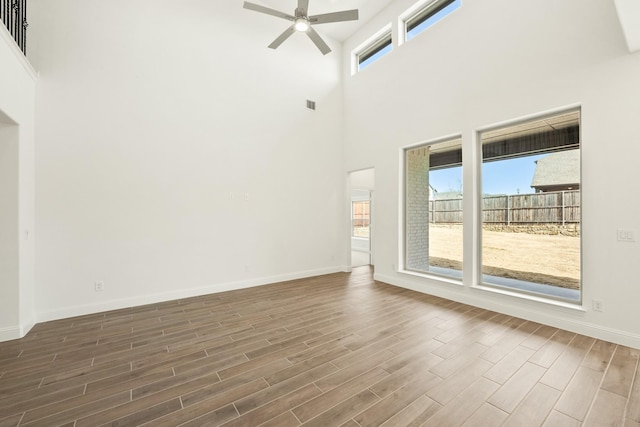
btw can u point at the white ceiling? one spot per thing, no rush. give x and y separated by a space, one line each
629 14
628 11
339 31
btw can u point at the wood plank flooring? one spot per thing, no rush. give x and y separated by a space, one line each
335 350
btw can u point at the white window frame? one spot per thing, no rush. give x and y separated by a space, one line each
414 11
479 283
360 199
472 240
371 44
404 239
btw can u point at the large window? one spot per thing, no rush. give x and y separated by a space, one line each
360 218
531 206
526 209
434 208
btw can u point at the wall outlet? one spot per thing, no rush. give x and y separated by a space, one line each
98 286
598 305
626 235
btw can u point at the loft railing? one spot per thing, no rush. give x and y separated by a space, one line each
14 17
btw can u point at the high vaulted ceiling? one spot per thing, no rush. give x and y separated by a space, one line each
339 31
629 14
628 10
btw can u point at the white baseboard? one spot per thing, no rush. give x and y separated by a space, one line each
15 332
10 333
549 317
26 327
117 304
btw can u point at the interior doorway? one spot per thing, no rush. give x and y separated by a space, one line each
9 223
361 188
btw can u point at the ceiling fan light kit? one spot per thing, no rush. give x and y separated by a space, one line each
302 22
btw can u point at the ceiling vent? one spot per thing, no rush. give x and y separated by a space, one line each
311 105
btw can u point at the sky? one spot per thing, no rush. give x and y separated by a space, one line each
511 176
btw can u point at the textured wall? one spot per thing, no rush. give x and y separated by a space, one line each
417 202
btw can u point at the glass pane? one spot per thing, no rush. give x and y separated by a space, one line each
360 219
531 208
373 58
434 14
434 209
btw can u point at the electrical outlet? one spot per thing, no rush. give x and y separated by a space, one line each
598 305
98 286
626 235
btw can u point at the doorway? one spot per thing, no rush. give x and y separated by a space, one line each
9 222
361 187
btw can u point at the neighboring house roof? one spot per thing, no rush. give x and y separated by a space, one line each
557 169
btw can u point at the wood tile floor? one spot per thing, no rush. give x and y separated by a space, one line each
336 350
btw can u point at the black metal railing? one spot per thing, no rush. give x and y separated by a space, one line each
14 17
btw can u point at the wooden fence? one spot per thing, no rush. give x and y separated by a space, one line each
558 207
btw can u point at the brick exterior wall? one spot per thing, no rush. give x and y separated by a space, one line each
417 206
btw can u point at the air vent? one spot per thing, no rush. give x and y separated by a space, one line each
311 105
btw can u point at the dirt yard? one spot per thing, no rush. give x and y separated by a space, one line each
549 259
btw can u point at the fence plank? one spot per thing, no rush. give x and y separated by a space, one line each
557 207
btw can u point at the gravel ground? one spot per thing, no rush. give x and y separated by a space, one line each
553 260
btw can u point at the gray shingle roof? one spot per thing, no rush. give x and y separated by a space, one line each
562 168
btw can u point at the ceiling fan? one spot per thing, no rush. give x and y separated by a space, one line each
302 22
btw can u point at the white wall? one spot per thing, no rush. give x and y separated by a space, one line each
17 88
629 14
494 61
9 247
175 153
153 125
363 179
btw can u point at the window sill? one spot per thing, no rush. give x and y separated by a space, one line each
564 305
432 276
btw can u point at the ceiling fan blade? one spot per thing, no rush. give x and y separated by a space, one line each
303 5
268 11
325 18
282 37
317 40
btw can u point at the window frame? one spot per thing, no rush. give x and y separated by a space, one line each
479 281
354 219
375 44
454 279
473 214
421 12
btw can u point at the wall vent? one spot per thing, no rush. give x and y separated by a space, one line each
311 105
